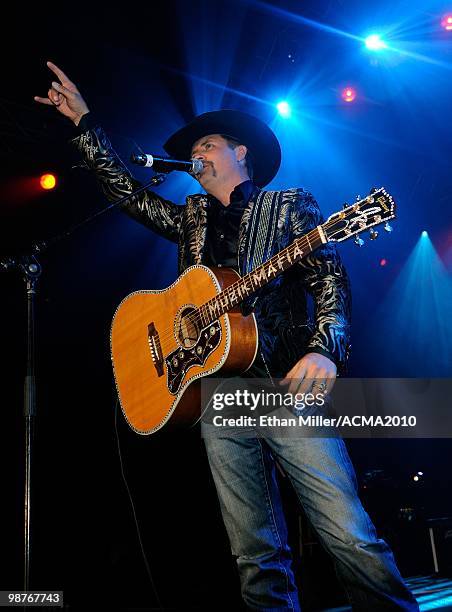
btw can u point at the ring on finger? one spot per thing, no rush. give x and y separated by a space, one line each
321 386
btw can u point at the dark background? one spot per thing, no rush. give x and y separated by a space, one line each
145 70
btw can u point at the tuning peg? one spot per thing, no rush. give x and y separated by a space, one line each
387 227
345 205
358 197
358 241
373 234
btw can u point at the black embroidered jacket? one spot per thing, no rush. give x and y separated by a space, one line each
286 330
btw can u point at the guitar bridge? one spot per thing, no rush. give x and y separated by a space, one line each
156 349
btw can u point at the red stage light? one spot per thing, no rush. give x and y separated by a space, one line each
383 262
47 181
447 22
348 94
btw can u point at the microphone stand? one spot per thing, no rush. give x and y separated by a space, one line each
31 269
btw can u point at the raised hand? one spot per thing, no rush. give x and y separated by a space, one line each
64 96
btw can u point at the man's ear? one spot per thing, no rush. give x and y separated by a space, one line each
240 152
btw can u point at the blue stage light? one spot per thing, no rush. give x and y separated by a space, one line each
283 108
375 43
420 299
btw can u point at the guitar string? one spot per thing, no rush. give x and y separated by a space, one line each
167 334
196 315
191 318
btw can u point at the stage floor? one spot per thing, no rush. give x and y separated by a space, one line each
431 592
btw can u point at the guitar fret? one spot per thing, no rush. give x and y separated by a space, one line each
223 296
259 276
245 286
231 289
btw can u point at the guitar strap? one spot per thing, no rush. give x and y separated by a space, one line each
261 229
260 235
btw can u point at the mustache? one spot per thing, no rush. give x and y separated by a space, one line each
205 164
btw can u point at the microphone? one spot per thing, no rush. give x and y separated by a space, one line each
165 164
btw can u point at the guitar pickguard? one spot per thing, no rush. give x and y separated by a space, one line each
181 360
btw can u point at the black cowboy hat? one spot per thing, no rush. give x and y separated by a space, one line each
248 130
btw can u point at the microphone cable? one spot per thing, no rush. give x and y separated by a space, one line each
132 504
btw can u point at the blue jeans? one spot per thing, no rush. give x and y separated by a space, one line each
324 480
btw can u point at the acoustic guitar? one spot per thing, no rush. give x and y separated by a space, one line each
164 342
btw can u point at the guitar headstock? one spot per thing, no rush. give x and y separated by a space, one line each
378 207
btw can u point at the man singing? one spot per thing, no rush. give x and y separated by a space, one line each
240 155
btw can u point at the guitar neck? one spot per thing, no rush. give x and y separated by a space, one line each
233 295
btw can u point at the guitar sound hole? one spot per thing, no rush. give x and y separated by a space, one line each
188 329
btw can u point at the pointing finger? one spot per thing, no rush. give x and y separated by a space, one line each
60 74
